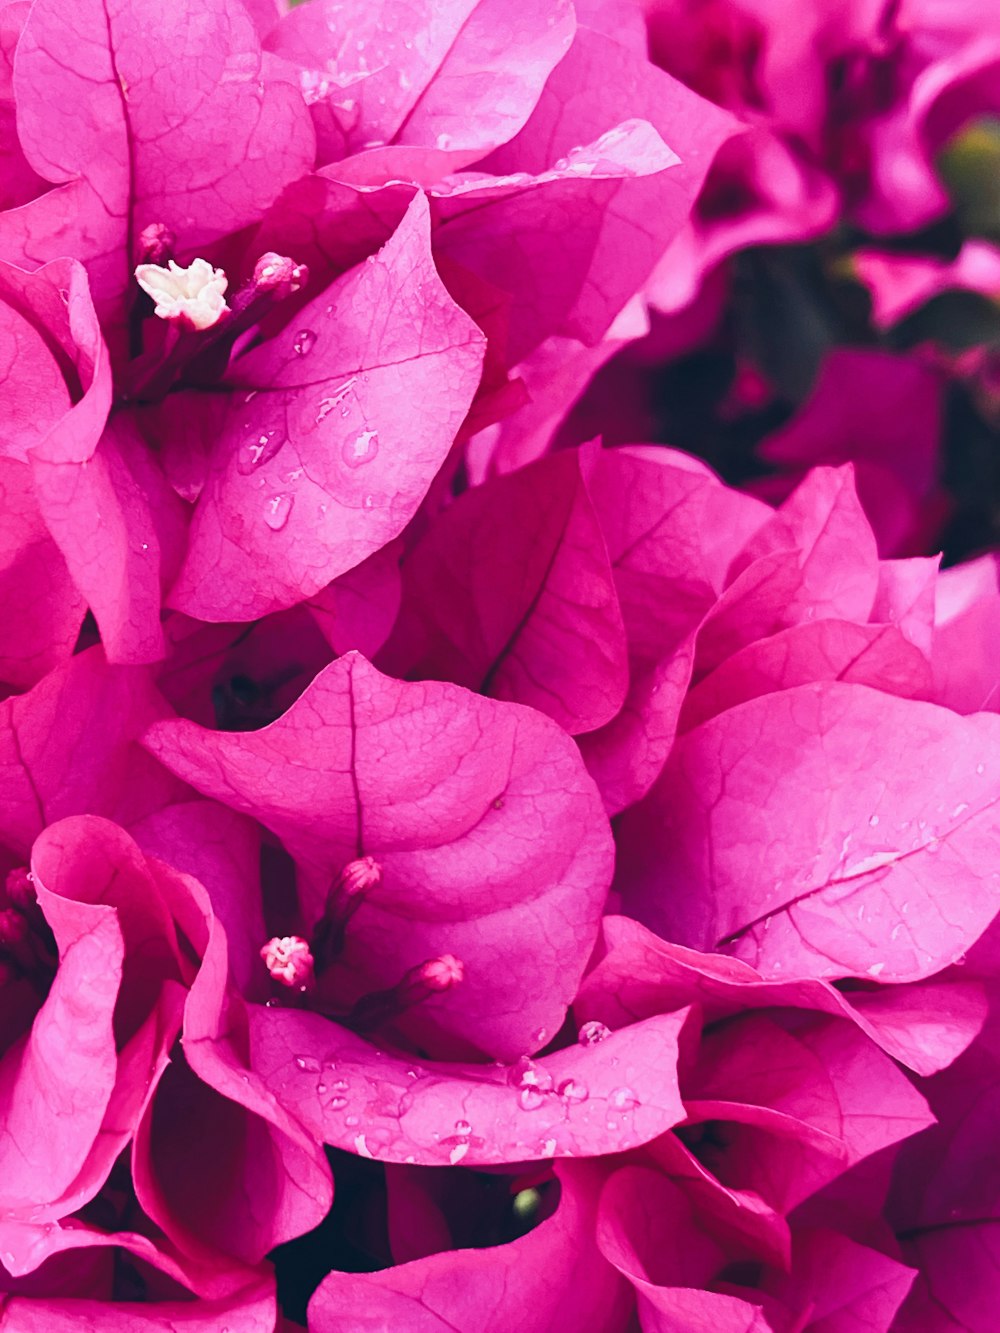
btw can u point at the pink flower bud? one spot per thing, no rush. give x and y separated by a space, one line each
280 274
440 974
359 876
289 960
157 244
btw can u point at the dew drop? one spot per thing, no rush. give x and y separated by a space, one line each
873 822
547 1147
335 398
276 511
368 502
361 1143
258 448
592 1033
622 1099
457 1153
362 449
526 1074
321 1088
352 1120
572 1090
960 809
463 1128
305 341
980 769
337 1103
530 1099
308 1064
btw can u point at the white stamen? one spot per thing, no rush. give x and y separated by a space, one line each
194 294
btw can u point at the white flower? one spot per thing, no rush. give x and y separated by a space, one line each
194 294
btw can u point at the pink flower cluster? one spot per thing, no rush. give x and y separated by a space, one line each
459 872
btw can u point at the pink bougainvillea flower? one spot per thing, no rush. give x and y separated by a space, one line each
900 284
657 1236
598 1096
966 635
510 592
420 110
40 608
240 1314
68 747
924 1025
488 832
671 530
882 413
797 855
331 435
946 1195
553 1277
202 153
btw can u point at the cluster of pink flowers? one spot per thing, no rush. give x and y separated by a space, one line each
465 866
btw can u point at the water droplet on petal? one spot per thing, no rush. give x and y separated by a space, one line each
622 1099
530 1099
361 1144
526 1074
593 1032
258 448
980 769
572 1090
547 1147
308 1064
276 511
305 341
457 1153
336 1103
462 1128
873 822
362 449
352 1120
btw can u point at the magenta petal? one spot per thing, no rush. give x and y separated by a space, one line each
649 1229
50 322
551 1278
883 413
510 592
580 1101
355 424
815 559
203 151
805 1105
421 109
966 633
797 851
924 1025
875 655
247 1312
491 836
56 1085
40 608
844 1286
106 513
653 141
358 610
67 746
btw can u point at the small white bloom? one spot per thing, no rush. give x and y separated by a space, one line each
194 294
